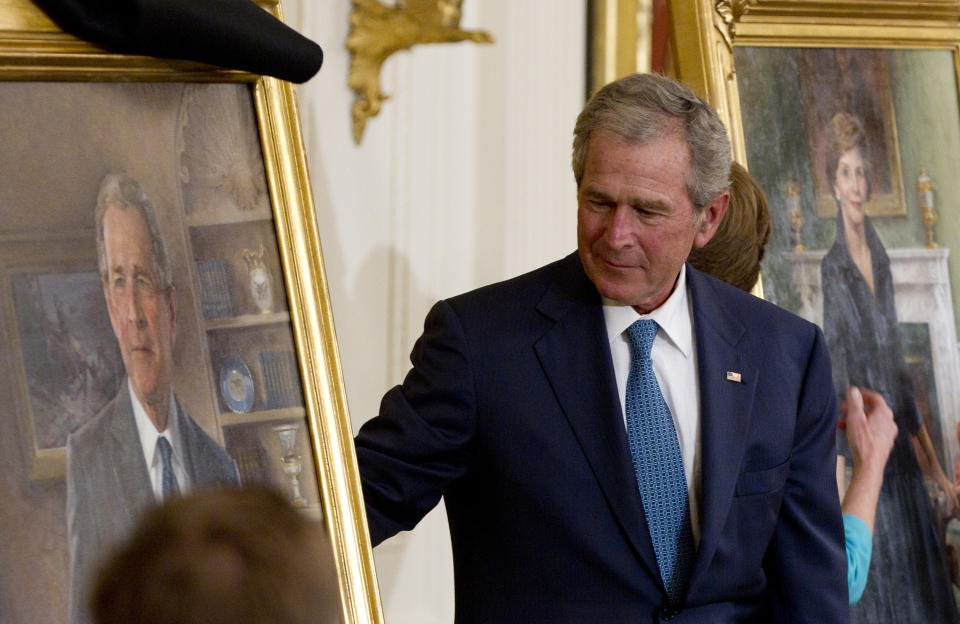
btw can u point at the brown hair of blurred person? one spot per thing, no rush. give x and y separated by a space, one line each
218 556
734 253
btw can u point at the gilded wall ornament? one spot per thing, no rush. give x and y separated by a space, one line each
377 31
730 11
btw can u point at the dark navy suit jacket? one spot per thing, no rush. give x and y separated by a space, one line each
511 414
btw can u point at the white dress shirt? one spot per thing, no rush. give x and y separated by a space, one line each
148 442
674 356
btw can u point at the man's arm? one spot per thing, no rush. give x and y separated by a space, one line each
806 562
420 442
79 536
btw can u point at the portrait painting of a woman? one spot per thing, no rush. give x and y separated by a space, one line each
908 579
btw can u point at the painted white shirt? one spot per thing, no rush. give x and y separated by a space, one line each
674 356
148 442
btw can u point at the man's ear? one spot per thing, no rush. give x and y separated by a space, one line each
710 217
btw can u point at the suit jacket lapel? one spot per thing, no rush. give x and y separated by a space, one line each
188 439
195 447
130 467
725 411
575 358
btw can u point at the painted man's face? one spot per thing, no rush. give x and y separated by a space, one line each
142 310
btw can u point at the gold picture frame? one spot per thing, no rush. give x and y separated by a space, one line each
614 46
745 57
251 368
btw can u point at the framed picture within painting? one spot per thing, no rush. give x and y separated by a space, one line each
158 246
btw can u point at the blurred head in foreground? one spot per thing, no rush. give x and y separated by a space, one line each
219 556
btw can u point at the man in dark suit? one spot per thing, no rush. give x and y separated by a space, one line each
142 446
618 437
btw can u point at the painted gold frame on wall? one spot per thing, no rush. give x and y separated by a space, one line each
32 49
613 42
705 34
752 60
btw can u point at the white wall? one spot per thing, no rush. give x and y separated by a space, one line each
463 179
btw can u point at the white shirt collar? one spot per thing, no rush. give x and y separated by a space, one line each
148 432
673 317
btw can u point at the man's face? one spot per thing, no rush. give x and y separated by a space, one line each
635 223
142 312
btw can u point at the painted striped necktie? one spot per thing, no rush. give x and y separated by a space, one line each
169 480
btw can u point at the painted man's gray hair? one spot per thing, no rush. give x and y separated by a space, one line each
122 191
642 108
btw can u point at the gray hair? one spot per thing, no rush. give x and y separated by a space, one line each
642 108
120 190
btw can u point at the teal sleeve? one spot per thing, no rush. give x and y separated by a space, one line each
859 546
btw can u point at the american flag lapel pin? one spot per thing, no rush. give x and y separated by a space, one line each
734 377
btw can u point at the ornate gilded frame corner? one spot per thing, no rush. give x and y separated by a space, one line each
33 49
702 36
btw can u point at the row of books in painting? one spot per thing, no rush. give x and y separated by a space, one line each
251 461
215 296
281 379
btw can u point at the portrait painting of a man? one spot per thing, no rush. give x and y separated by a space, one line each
131 375
142 446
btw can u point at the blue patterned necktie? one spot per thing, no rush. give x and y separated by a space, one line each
169 480
657 462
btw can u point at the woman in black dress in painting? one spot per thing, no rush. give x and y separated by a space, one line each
908 580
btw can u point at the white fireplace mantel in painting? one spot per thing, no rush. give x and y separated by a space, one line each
922 291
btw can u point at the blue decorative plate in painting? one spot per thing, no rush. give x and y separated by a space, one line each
236 385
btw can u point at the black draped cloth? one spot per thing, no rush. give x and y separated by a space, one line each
236 34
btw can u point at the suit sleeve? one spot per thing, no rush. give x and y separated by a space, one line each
420 441
80 536
806 562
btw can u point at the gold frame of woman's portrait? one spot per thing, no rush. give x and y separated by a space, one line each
744 57
613 46
273 245
712 44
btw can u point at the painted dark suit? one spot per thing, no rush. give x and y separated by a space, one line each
511 413
908 579
108 485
